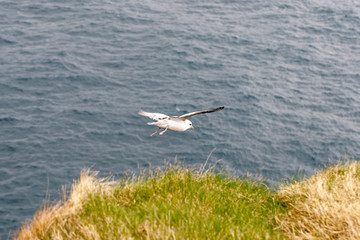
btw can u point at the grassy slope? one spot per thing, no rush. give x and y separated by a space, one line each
188 204
184 204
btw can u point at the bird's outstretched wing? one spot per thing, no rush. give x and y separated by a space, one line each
155 116
185 116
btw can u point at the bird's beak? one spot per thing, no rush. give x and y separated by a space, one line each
192 128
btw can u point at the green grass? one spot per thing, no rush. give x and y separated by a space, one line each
181 203
184 204
175 203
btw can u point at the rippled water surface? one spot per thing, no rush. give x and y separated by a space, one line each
74 74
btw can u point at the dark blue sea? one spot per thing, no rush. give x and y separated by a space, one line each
74 74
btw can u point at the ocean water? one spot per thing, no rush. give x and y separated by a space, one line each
74 74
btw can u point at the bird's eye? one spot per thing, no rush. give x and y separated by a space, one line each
190 124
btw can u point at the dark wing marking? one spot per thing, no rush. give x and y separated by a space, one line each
185 116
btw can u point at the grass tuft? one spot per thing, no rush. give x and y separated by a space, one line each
325 206
58 221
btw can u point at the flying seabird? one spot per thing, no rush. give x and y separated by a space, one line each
174 123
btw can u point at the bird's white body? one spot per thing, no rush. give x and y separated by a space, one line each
173 124
177 124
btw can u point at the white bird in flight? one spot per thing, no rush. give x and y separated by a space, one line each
174 123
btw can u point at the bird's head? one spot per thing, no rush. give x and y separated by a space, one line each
189 124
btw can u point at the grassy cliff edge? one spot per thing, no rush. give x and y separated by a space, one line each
181 203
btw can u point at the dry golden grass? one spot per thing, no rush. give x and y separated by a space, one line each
58 220
325 206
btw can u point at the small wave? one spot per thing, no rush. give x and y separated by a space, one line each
5 148
4 41
10 120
